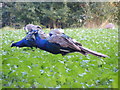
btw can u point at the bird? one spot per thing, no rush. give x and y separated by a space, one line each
56 43
30 27
56 31
62 44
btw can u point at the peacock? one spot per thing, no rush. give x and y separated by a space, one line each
55 44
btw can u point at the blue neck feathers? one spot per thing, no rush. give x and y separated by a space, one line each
40 42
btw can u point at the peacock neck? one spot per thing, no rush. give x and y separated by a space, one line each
40 42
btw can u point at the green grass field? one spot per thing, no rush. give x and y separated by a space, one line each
25 68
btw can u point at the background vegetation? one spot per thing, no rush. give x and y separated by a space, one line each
26 68
59 14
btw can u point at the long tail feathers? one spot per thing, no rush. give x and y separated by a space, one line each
92 52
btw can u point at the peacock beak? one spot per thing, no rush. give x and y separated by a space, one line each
12 45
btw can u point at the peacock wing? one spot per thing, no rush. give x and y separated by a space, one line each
63 41
72 40
42 34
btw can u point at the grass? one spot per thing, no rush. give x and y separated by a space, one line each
24 68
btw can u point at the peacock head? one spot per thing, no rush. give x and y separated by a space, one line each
56 31
13 45
30 27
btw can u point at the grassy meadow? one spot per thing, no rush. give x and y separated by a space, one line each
26 68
